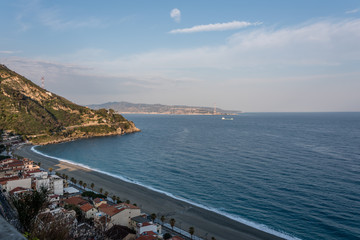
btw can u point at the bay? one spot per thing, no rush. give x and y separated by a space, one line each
293 173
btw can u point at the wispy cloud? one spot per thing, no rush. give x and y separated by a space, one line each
7 52
352 11
216 27
52 18
176 15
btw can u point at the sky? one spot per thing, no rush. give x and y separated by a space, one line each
253 55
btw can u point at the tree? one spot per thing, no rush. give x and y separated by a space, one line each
127 201
213 238
63 175
113 198
72 180
172 223
84 185
167 236
162 219
80 182
39 164
101 190
153 216
66 177
92 185
29 205
75 181
118 200
106 193
191 231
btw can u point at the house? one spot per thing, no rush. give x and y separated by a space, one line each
142 224
148 235
99 201
120 214
146 227
78 201
19 191
89 210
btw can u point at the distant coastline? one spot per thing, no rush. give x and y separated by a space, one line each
142 108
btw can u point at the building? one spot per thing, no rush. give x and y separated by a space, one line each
10 183
120 214
99 201
88 210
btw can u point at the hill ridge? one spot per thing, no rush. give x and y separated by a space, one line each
42 117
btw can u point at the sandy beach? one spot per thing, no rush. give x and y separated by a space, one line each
207 224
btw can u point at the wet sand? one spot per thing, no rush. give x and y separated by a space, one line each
206 223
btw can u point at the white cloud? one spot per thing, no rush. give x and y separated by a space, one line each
318 57
216 27
352 11
176 15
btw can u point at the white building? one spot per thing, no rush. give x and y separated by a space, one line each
12 183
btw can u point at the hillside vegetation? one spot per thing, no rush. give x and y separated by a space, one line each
44 117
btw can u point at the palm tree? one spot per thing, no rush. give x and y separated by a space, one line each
101 190
72 180
153 216
39 164
92 185
106 193
75 181
113 198
191 231
66 177
63 175
172 223
118 200
80 182
162 219
84 185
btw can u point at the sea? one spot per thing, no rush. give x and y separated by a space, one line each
296 175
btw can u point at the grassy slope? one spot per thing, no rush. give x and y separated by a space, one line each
41 116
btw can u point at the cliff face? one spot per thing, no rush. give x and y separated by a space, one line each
44 117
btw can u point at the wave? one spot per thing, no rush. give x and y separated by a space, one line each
258 226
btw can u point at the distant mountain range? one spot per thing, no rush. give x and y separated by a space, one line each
43 117
141 108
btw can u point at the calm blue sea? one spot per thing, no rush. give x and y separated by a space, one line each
294 173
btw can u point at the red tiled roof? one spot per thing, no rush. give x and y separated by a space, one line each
109 210
147 224
17 189
177 238
148 235
34 171
98 200
127 206
86 207
6 179
75 201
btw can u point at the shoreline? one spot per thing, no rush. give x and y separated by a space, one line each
206 222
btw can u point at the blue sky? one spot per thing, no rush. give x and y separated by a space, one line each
243 55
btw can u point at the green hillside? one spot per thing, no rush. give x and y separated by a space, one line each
43 117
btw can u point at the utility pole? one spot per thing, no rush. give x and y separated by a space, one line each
42 82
